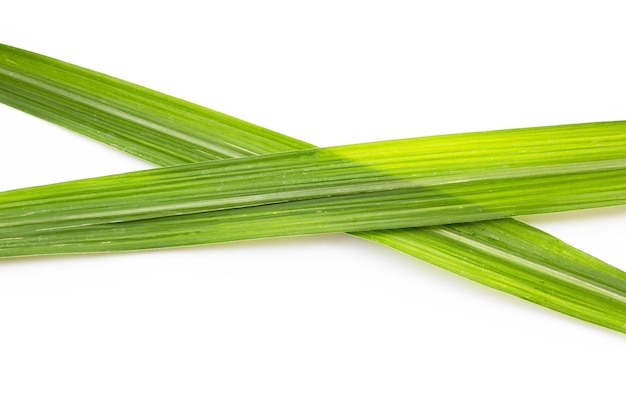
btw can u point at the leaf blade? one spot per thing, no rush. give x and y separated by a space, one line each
155 143
418 182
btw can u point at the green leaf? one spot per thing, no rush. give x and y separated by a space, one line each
504 254
521 260
402 183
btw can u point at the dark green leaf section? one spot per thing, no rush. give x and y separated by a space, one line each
504 254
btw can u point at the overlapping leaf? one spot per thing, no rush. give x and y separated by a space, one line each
504 254
402 183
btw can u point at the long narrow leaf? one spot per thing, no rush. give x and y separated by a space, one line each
166 130
403 183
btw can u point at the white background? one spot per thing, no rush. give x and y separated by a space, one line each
319 325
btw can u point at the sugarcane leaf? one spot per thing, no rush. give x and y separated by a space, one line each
504 254
402 183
